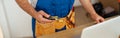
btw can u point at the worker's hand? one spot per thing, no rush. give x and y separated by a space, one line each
40 17
97 18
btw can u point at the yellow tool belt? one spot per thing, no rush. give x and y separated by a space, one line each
49 28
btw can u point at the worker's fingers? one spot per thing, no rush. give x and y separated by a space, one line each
46 20
99 20
41 19
44 14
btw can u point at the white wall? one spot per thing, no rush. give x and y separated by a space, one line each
19 22
3 22
77 3
15 20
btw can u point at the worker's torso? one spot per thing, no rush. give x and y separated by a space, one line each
60 8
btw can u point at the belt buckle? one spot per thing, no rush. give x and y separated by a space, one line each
60 20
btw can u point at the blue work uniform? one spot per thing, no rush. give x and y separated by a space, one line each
60 8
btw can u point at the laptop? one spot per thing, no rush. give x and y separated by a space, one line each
107 29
